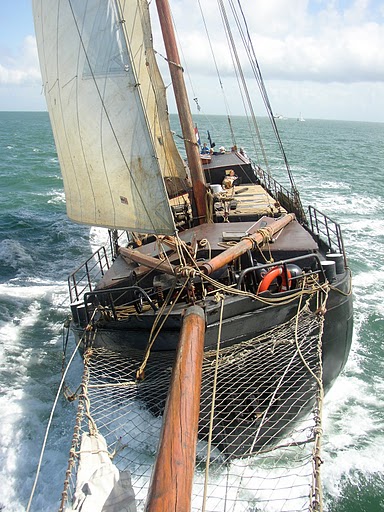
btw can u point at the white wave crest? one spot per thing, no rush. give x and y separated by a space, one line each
13 254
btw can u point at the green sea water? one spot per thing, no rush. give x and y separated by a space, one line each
338 168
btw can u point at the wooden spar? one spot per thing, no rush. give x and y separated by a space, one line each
182 103
244 245
170 489
147 261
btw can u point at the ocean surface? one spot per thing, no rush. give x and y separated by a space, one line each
338 168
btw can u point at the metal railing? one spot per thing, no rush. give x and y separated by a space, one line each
327 231
311 262
285 197
84 278
116 301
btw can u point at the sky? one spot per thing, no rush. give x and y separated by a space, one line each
321 58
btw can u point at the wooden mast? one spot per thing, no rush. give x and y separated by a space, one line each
185 116
172 477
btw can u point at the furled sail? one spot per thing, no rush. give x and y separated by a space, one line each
108 114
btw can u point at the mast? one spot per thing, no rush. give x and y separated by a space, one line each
182 103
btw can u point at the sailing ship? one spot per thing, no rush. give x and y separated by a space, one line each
208 256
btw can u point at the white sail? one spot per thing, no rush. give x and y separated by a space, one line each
139 34
104 113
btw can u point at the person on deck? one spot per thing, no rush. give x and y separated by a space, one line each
229 180
205 149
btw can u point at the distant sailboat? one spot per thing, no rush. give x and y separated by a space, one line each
301 118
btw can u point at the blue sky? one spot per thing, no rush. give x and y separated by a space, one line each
321 57
16 22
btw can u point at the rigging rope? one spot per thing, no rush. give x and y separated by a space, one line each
226 104
61 384
213 406
248 45
153 334
239 73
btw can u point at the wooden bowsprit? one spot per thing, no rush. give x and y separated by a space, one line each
172 477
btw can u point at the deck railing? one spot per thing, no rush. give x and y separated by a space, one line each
117 301
327 231
285 197
249 278
84 278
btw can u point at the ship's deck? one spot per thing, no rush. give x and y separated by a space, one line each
243 201
293 240
292 237
247 200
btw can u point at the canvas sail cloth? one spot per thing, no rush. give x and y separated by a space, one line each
100 486
107 106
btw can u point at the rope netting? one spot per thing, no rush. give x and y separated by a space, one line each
259 428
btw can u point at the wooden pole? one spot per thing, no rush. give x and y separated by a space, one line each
244 245
147 261
182 103
172 477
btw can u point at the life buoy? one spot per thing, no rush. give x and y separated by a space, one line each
273 274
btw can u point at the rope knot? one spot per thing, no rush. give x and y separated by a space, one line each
266 233
186 271
321 311
219 296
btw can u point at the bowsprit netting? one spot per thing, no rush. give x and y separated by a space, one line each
252 452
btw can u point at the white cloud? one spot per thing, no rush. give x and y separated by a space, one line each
292 43
310 52
348 55
319 58
22 68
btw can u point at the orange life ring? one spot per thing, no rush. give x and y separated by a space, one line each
271 275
